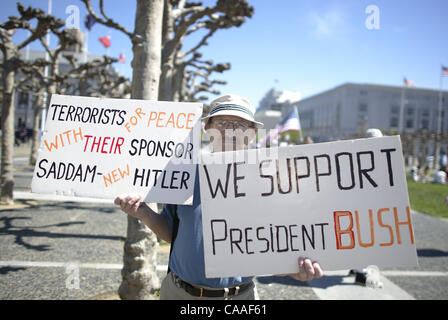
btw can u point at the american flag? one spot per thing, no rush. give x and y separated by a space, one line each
444 71
291 122
89 21
408 83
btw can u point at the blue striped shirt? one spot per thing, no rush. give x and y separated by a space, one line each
187 257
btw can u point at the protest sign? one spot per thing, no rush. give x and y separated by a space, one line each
95 147
343 204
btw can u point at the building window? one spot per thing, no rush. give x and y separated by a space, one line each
394 122
277 107
409 124
362 108
425 124
410 111
23 97
394 110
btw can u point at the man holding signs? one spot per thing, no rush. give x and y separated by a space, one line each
243 213
231 125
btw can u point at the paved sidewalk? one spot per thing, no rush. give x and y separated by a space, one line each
43 238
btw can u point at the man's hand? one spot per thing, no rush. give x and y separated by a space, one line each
131 204
308 270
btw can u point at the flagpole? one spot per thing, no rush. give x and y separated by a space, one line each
86 46
400 120
108 48
45 94
300 126
439 125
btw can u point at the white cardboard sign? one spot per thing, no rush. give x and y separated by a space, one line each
94 147
343 204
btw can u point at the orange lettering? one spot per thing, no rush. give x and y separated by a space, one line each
189 120
139 112
358 227
160 118
62 140
171 120
152 116
107 179
67 135
124 173
52 145
114 175
339 232
133 120
177 121
408 223
381 223
75 134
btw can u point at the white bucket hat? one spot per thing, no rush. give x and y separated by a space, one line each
233 105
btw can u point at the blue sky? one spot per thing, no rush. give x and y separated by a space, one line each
304 46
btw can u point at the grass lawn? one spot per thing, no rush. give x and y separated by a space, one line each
428 198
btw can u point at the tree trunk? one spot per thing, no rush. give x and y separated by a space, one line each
166 82
166 87
182 85
83 87
139 274
147 52
37 103
7 124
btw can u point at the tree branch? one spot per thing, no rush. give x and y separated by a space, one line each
106 21
201 43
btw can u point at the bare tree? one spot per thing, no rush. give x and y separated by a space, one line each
140 279
47 84
197 80
183 18
11 63
94 79
65 38
36 83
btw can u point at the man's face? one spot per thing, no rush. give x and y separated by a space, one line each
230 133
